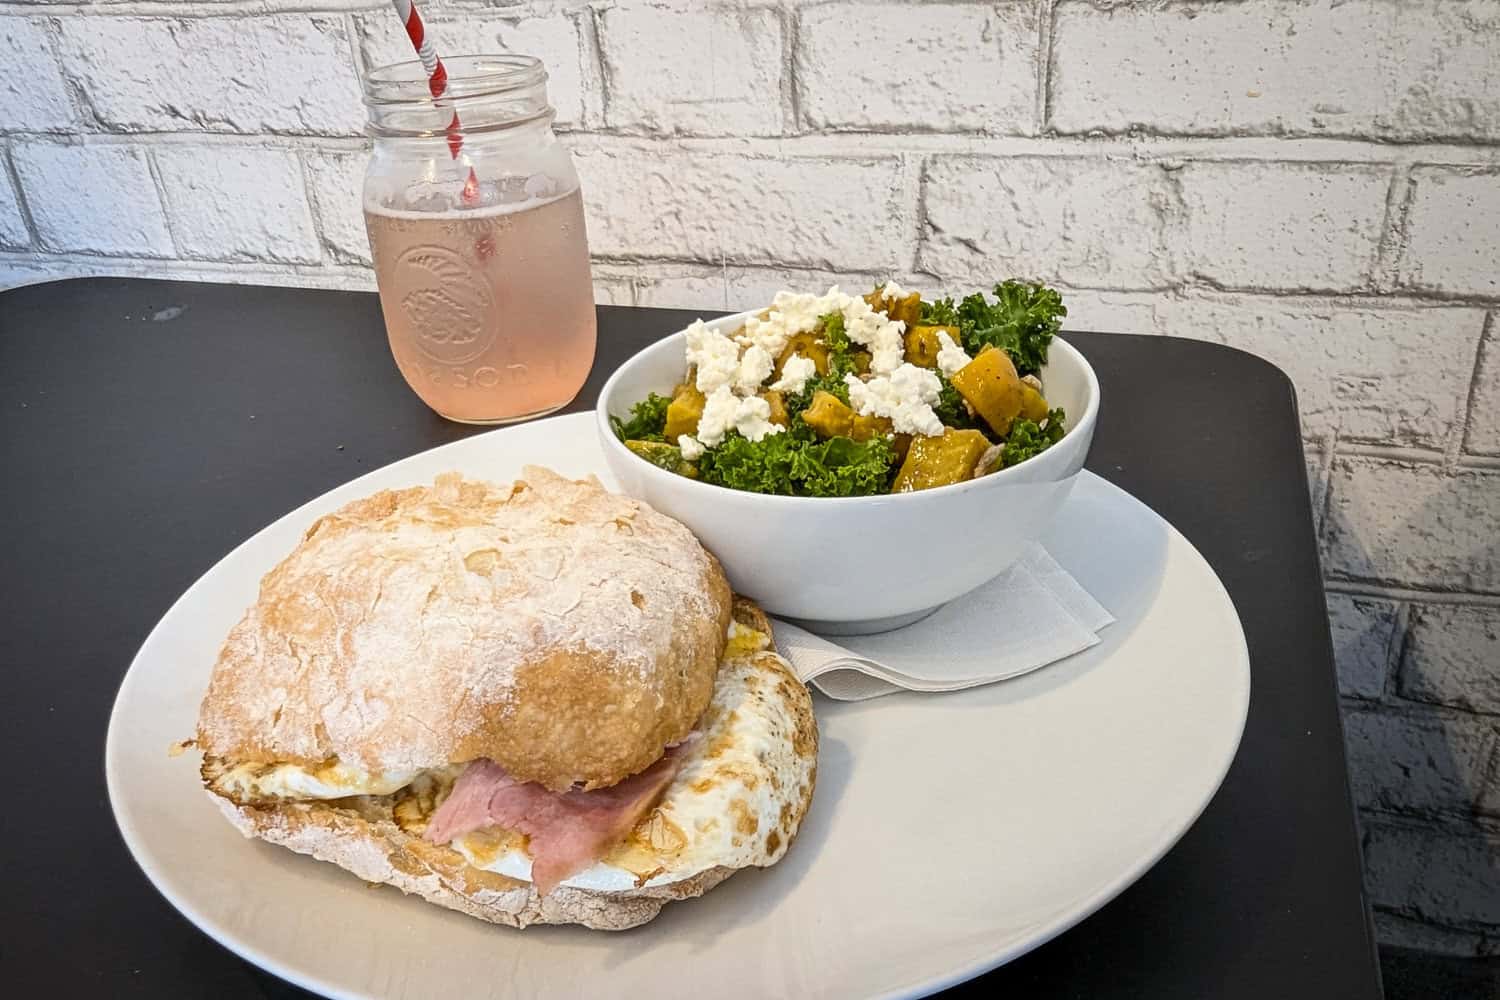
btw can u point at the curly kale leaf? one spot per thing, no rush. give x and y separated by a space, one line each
1027 438
841 350
828 383
796 463
940 312
648 420
1021 322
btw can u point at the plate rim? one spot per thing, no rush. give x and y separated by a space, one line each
1049 930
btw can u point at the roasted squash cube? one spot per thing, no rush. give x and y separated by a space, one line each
809 345
992 388
908 308
940 461
828 415
922 343
1033 406
865 428
684 412
777 403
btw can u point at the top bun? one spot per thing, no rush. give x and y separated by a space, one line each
567 633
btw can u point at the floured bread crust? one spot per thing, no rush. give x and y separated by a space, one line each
565 632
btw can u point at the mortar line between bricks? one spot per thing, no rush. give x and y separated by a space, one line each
596 16
1388 249
1395 592
314 211
1046 11
791 96
1395 653
161 200
1481 352
1390 452
8 164
965 145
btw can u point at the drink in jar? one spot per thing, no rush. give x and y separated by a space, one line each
476 229
489 312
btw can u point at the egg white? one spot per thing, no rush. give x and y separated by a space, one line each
724 807
251 782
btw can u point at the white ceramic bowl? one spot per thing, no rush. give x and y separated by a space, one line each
858 564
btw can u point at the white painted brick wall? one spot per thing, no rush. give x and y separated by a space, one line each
815 212
247 204
1453 241
33 94
956 68
93 199
1427 873
704 72
1403 69
13 232
1403 763
337 199
1451 655
1084 221
1353 365
1306 226
1413 524
1315 181
289 73
1364 636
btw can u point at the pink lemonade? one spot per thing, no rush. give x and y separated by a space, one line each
490 312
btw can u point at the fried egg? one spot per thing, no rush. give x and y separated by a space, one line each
333 780
737 800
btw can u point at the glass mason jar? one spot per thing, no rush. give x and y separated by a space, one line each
476 229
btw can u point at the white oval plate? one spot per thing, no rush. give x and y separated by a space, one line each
948 834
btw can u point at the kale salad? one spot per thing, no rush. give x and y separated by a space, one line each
837 395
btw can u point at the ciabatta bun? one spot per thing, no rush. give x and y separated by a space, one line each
566 633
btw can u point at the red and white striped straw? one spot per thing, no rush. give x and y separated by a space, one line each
432 64
437 84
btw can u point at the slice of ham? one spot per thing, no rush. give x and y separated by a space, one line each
568 831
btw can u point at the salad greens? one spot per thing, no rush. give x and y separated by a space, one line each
1021 322
1027 439
838 452
796 463
648 420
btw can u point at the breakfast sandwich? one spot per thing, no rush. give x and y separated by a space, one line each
536 702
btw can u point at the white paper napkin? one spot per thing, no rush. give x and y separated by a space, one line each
1031 615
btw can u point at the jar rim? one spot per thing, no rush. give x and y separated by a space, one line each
469 76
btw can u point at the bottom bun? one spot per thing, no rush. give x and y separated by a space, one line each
367 843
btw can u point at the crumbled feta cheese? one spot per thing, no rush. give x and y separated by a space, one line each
905 396
753 419
723 412
691 447
875 331
950 356
794 374
891 290
715 356
792 313
754 368
1032 381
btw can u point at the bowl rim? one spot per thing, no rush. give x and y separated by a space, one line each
992 480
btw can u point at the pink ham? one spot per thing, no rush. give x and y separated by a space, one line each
568 831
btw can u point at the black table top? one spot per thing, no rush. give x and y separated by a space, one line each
152 426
